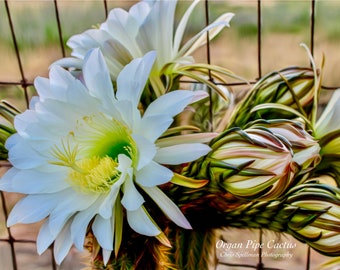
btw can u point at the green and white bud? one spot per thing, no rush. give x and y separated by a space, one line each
310 212
252 164
292 87
317 219
305 148
7 114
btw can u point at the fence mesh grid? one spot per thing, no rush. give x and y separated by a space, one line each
25 84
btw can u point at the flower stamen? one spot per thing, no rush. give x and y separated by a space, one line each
96 175
66 155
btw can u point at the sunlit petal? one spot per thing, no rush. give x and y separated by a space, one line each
133 77
153 174
171 103
102 229
141 222
132 198
63 243
182 26
44 238
181 153
168 207
97 77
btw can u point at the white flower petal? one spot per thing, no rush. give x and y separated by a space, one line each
64 86
82 43
171 103
123 27
97 77
72 203
59 79
129 113
39 132
34 100
200 39
141 223
24 120
33 208
199 95
117 56
42 85
69 62
170 209
132 79
6 183
106 255
156 32
53 122
79 225
32 181
146 150
182 26
12 141
124 164
132 198
45 238
139 11
103 231
21 154
181 153
63 244
153 174
106 207
157 125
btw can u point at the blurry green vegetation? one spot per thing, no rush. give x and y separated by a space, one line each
285 25
328 20
35 21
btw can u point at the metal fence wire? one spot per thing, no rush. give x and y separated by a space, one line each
24 84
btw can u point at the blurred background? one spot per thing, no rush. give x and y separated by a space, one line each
285 24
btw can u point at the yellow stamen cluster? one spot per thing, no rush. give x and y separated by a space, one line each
92 153
95 175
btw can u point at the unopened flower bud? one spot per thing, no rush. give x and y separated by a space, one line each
305 148
317 218
250 164
292 87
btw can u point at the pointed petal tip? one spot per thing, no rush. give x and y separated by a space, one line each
12 219
185 224
227 18
58 260
106 256
163 239
10 223
199 95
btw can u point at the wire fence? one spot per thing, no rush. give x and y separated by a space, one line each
25 83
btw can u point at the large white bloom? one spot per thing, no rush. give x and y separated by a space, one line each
148 25
82 151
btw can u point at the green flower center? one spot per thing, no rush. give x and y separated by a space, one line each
91 152
102 136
